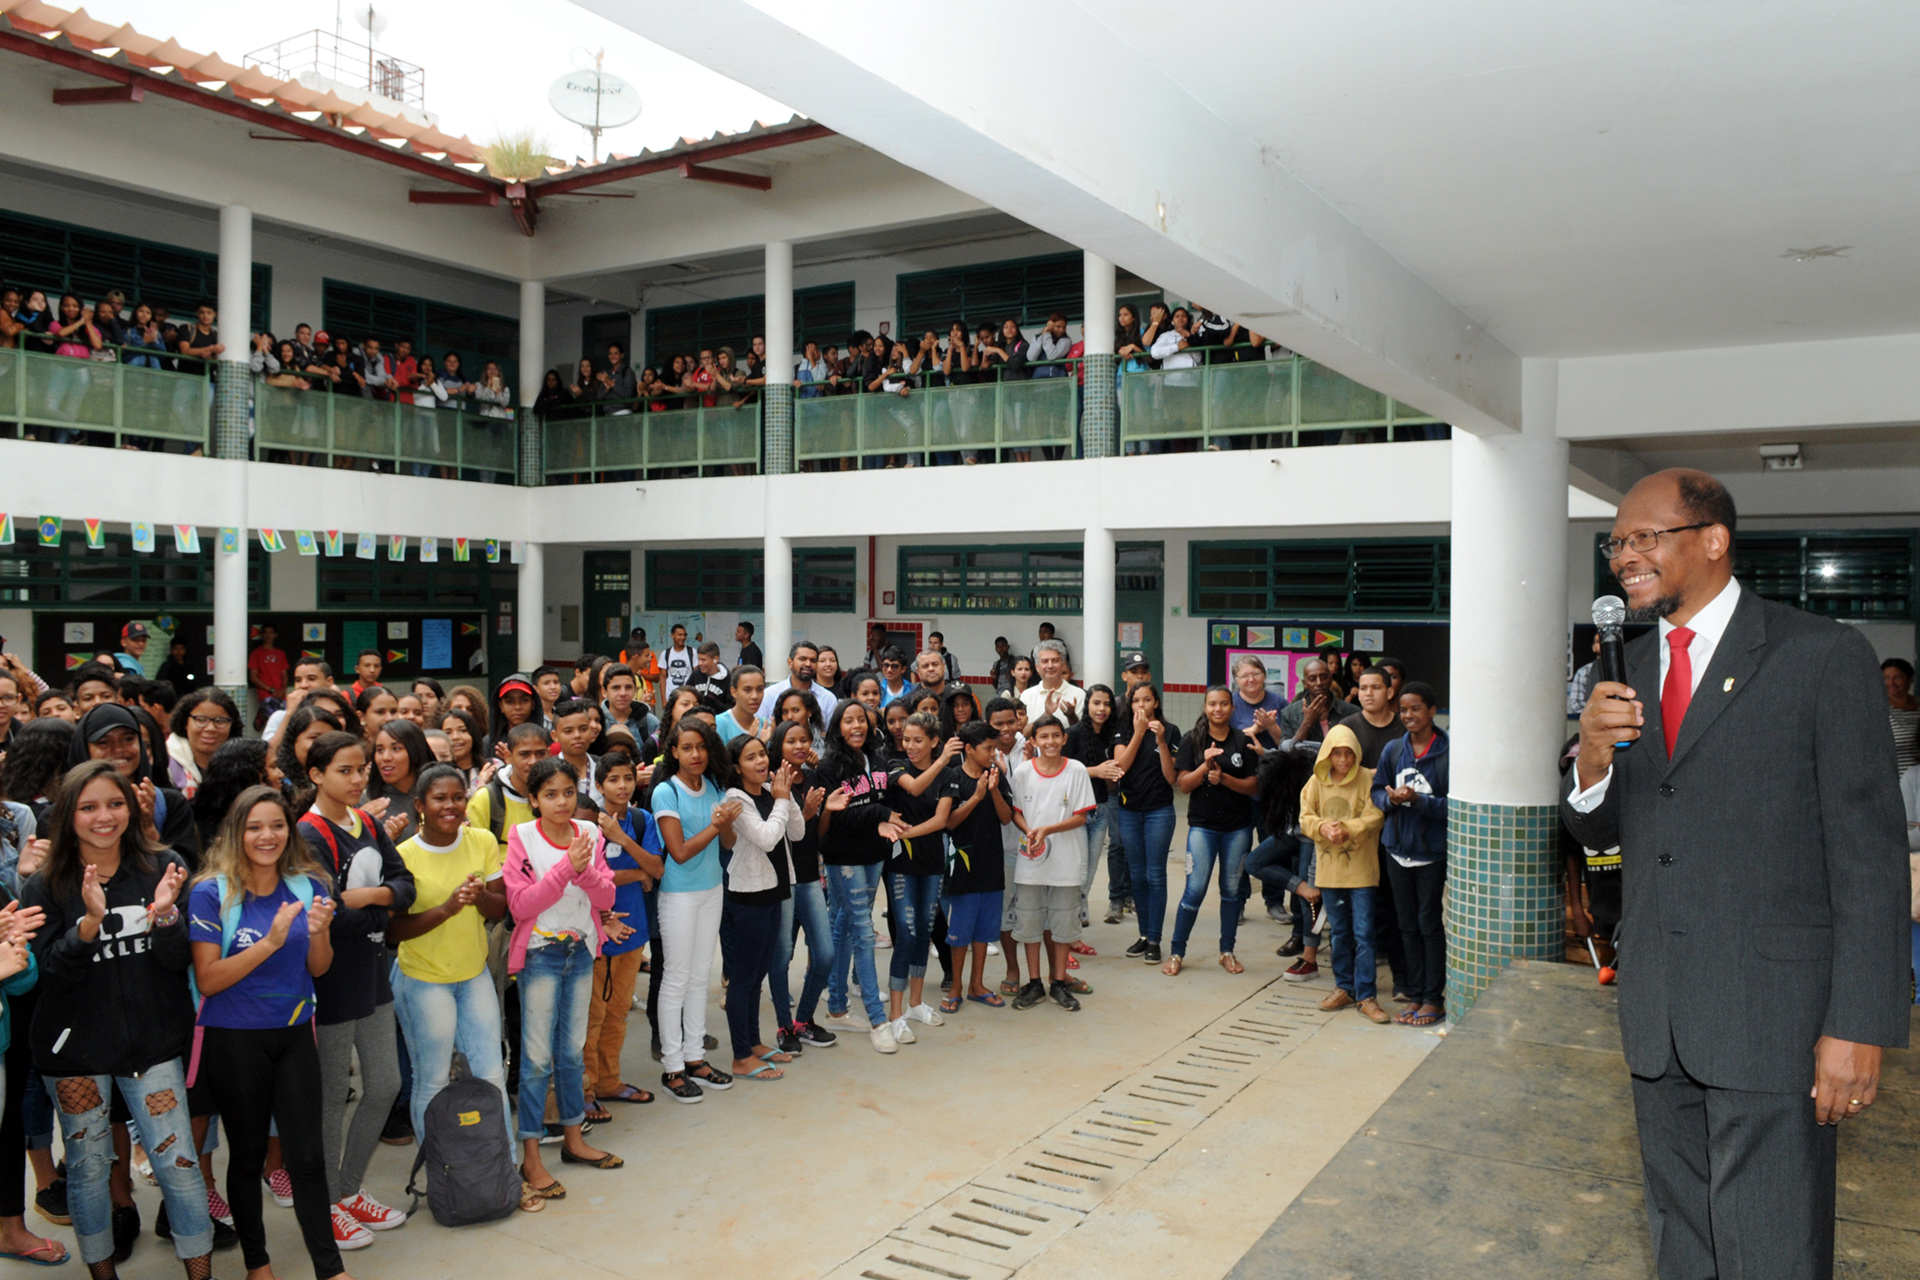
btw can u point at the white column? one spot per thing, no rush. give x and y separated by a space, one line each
1100 305
531 626
230 618
533 339
1097 644
779 311
777 635
236 283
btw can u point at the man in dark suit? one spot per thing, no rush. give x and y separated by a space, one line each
1764 939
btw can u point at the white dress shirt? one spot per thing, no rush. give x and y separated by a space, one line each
1708 626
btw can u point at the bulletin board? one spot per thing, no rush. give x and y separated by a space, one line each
1424 647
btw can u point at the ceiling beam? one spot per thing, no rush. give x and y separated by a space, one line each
488 198
129 92
726 177
638 168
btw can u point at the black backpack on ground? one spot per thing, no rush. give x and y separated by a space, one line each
464 1147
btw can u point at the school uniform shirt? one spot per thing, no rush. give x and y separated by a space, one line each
729 728
357 856
457 950
1211 807
1091 747
922 855
279 992
676 667
1044 799
1374 740
572 916
631 898
852 837
480 808
821 694
694 808
1143 786
750 656
806 850
974 860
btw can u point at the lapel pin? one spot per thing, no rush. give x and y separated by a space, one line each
1728 686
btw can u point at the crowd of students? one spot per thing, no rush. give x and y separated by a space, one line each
399 874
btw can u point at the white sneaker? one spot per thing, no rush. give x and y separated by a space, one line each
902 1033
926 1013
347 1231
881 942
993 948
883 1042
848 1021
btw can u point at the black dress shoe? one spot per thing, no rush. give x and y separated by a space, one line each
126 1230
1292 946
224 1236
51 1203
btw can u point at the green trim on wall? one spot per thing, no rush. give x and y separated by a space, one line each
1382 579
1028 289
1003 578
822 313
734 578
74 578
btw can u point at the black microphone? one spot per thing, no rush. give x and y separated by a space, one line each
1609 613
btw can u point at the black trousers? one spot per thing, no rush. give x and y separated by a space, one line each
1387 940
1739 1186
272 1075
749 946
656 965
13 1121
1423 937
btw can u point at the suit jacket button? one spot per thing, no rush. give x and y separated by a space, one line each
1665 791
1666 859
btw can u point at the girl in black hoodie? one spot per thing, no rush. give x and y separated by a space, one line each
857 831
113 960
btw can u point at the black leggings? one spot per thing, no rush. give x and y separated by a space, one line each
13 1122
272 1075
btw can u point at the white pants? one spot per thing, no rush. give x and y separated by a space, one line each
690 930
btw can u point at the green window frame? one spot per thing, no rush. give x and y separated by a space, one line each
359 311
728 578
1373 578
75 576
1861 575
348 582
60 257
822 313
1028 289
1004 578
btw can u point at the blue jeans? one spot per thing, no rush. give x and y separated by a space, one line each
439 1019
914 898
1097 824
167 1137
850 890
805 912
556 990
1350 934
1204 848
1273 863
1147 835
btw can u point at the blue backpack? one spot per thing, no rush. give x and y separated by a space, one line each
302 890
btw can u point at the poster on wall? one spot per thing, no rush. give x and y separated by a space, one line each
1281 676
436 644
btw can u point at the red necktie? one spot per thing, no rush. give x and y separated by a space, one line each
1677 692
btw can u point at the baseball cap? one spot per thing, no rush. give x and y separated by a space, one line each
515 684
1132 660
134 631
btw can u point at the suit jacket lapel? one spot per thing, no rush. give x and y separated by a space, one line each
1643 674
1734 660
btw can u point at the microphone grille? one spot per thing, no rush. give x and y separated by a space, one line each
1609 611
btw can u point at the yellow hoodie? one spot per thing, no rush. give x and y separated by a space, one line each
1354 863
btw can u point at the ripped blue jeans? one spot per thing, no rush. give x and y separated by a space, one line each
157 1097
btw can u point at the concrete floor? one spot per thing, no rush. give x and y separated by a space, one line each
856 1158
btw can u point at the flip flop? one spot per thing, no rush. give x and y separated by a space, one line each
1081 949
991 1000
599 1114
1073 961
1007 988
764 1074
949 1005
776 1055
629 1093
33 1258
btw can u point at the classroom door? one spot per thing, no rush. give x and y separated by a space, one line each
606 600
1139 603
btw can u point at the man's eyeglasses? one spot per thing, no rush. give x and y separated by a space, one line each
9 699
1646 539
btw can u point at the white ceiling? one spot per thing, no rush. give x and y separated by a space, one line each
1590 178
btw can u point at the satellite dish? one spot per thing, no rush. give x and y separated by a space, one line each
371 21
595 99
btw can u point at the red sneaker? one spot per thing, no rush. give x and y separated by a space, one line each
371 1214
1302 971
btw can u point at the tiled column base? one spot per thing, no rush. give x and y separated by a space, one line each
232 392
530 457
1100 417
777 422
1504 893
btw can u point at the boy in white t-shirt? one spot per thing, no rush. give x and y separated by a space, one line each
1052 797
676 665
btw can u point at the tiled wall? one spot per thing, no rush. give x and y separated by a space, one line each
1504 894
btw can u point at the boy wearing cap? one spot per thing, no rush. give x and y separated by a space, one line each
133 646
639 658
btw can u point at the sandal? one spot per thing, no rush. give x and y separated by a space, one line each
1078 986
1081 949
1231 963
597 1114
1073 961
949 1004
629 1093
764 1073
775 1055
531 1201
1007 988
1173 966
34 1256
708 1077
552 1191
991 1000
1412 1019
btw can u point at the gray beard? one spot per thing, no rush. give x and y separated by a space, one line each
1660 608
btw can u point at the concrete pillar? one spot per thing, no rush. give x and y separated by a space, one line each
1097 575
776 414
233 382
1507 682
531 629
1099 412
230 621
777 635
533 371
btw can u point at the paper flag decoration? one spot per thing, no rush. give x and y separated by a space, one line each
1325 639
96 533
469 629
165 623
1225 633
519 551
493 550
49 531
429 550
460 550
1294 638
186 539
335 542
364 548
304 543
313 653
396 546
142 536
76 660
230 541
270 540
396 655
6 529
